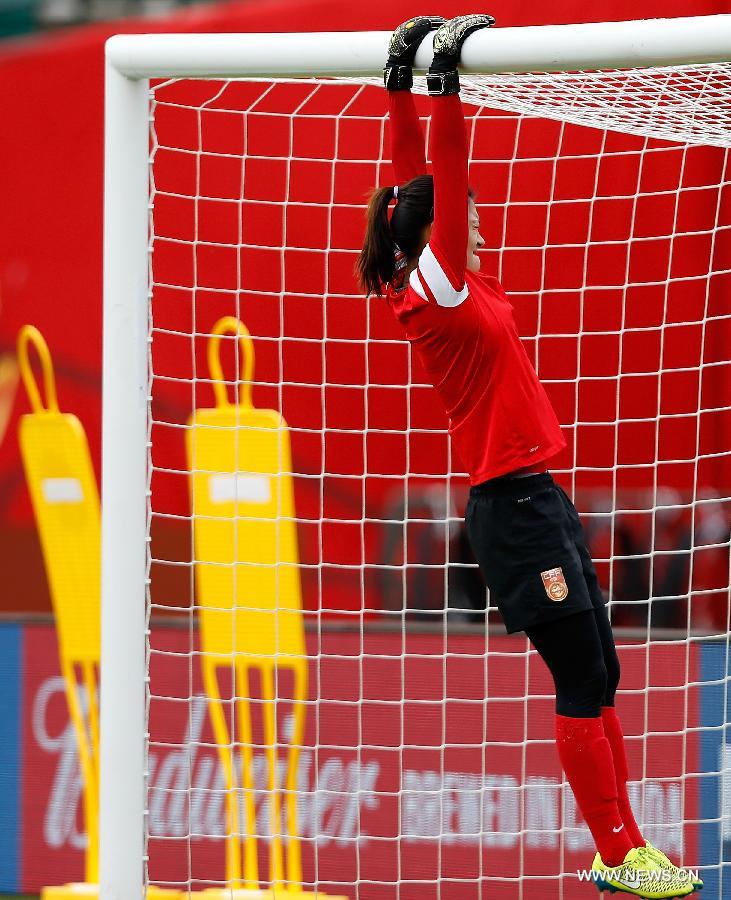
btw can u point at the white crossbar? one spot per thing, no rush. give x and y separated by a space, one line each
547 48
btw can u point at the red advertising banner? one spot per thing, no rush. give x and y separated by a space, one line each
410 784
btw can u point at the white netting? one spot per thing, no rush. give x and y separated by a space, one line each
677 103
427 767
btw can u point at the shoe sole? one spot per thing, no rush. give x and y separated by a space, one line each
606 886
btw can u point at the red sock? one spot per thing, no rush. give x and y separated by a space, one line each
613 731
586 758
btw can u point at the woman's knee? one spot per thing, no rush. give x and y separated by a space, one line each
583 695
609 651
611 664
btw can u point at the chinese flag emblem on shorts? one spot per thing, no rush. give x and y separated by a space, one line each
555 584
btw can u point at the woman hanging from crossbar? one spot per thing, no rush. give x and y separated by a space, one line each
420 253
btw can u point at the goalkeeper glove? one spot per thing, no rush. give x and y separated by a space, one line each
402 47
443 77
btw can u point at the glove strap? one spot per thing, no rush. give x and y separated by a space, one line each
439 84
398 78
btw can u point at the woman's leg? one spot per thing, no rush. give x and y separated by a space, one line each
572 649
613 727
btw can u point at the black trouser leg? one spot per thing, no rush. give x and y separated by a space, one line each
580 654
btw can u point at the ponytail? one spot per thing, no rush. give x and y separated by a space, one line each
376 264
403 233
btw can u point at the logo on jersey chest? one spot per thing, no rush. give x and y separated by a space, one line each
555 584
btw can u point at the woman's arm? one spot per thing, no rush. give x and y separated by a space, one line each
448 147
407 138
440 274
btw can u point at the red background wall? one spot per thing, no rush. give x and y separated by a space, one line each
50 228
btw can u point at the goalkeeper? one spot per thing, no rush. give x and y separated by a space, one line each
527 537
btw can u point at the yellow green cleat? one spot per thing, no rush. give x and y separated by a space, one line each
642 875
663 860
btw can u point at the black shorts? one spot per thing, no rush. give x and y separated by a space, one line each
527 538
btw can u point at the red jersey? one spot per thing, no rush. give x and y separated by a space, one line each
461 323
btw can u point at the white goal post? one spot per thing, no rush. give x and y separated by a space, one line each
131 62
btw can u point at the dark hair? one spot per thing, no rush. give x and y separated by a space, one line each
414 210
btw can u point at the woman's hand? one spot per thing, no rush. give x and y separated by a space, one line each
443 77
397 76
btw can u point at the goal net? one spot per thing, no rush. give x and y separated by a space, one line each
332 703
